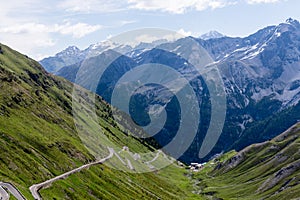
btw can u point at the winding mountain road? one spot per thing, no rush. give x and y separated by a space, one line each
12 189
36 187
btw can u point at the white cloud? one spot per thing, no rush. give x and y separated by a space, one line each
109 37
148 38
262 1
171 6
28 43
89 6
178 6
147 35
25 28
125 22
184 33
76 30
44 42
31 37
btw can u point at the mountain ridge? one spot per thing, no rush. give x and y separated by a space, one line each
39 140
260 73
268 170
39 143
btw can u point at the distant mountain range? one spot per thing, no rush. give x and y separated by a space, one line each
73 54
261 74
39 140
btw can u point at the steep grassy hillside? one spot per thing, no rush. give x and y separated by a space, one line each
269 170
38 140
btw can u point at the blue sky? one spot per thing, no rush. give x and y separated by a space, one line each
40 28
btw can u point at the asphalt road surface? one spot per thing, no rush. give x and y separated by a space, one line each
12 189
3 194
36 187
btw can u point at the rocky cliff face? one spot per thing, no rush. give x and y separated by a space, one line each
261 75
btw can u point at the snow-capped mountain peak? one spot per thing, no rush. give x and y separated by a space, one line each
104 45
212 35
71 50
260 72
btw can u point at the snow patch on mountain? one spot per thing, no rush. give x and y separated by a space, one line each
211 35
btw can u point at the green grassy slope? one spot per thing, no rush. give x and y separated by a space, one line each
38 140
270 170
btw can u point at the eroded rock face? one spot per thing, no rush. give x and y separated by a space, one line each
279 176
233 162
260 74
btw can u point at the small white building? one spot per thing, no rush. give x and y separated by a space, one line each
196 166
